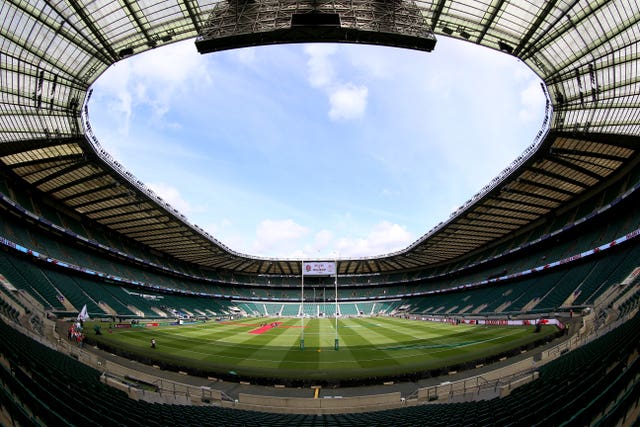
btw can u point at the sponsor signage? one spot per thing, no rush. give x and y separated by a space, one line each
319 268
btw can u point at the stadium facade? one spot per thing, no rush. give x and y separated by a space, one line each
565 210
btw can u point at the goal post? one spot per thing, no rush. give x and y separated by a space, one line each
319 268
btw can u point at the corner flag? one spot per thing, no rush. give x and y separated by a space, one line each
84 315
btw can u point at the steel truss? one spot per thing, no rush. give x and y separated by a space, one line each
394 23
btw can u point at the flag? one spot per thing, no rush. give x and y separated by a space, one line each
83 314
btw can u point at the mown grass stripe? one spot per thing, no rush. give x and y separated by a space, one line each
369 347
365 353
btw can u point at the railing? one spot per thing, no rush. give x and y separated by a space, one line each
476 388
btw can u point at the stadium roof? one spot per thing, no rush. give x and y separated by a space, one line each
587 54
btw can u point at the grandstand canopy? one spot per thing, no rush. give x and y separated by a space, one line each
587 54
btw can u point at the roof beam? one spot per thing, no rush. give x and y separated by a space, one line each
559 177
546 187
549 5
510 209
84 193
9 148
535 195
631 142
495 220
521 202
480 230
138 22
101 199
492 17
479 216
79 10
158 215
188 5
94 50
559 152
73 183
42 58
537 43
119 214
61 172
589 49
168 236
572 165
109 208
437 12
70 158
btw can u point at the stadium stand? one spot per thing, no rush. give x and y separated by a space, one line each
290 310
44 387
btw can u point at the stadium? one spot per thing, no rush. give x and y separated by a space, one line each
520 308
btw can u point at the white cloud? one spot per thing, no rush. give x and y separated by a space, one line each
438 138
246 56
348 102
387 192
376 61
113 85
163 73
532 101
172 65
323 239
226 232
289 239
287 229
172 196
216 228
388 235
123 106
321 72
278 235
151 79
116 77
383 238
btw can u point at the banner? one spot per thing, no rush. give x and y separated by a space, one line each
319 268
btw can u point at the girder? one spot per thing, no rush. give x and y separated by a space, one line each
241 23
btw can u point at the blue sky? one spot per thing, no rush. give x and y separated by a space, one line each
320 150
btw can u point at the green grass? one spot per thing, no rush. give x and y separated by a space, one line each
368 347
